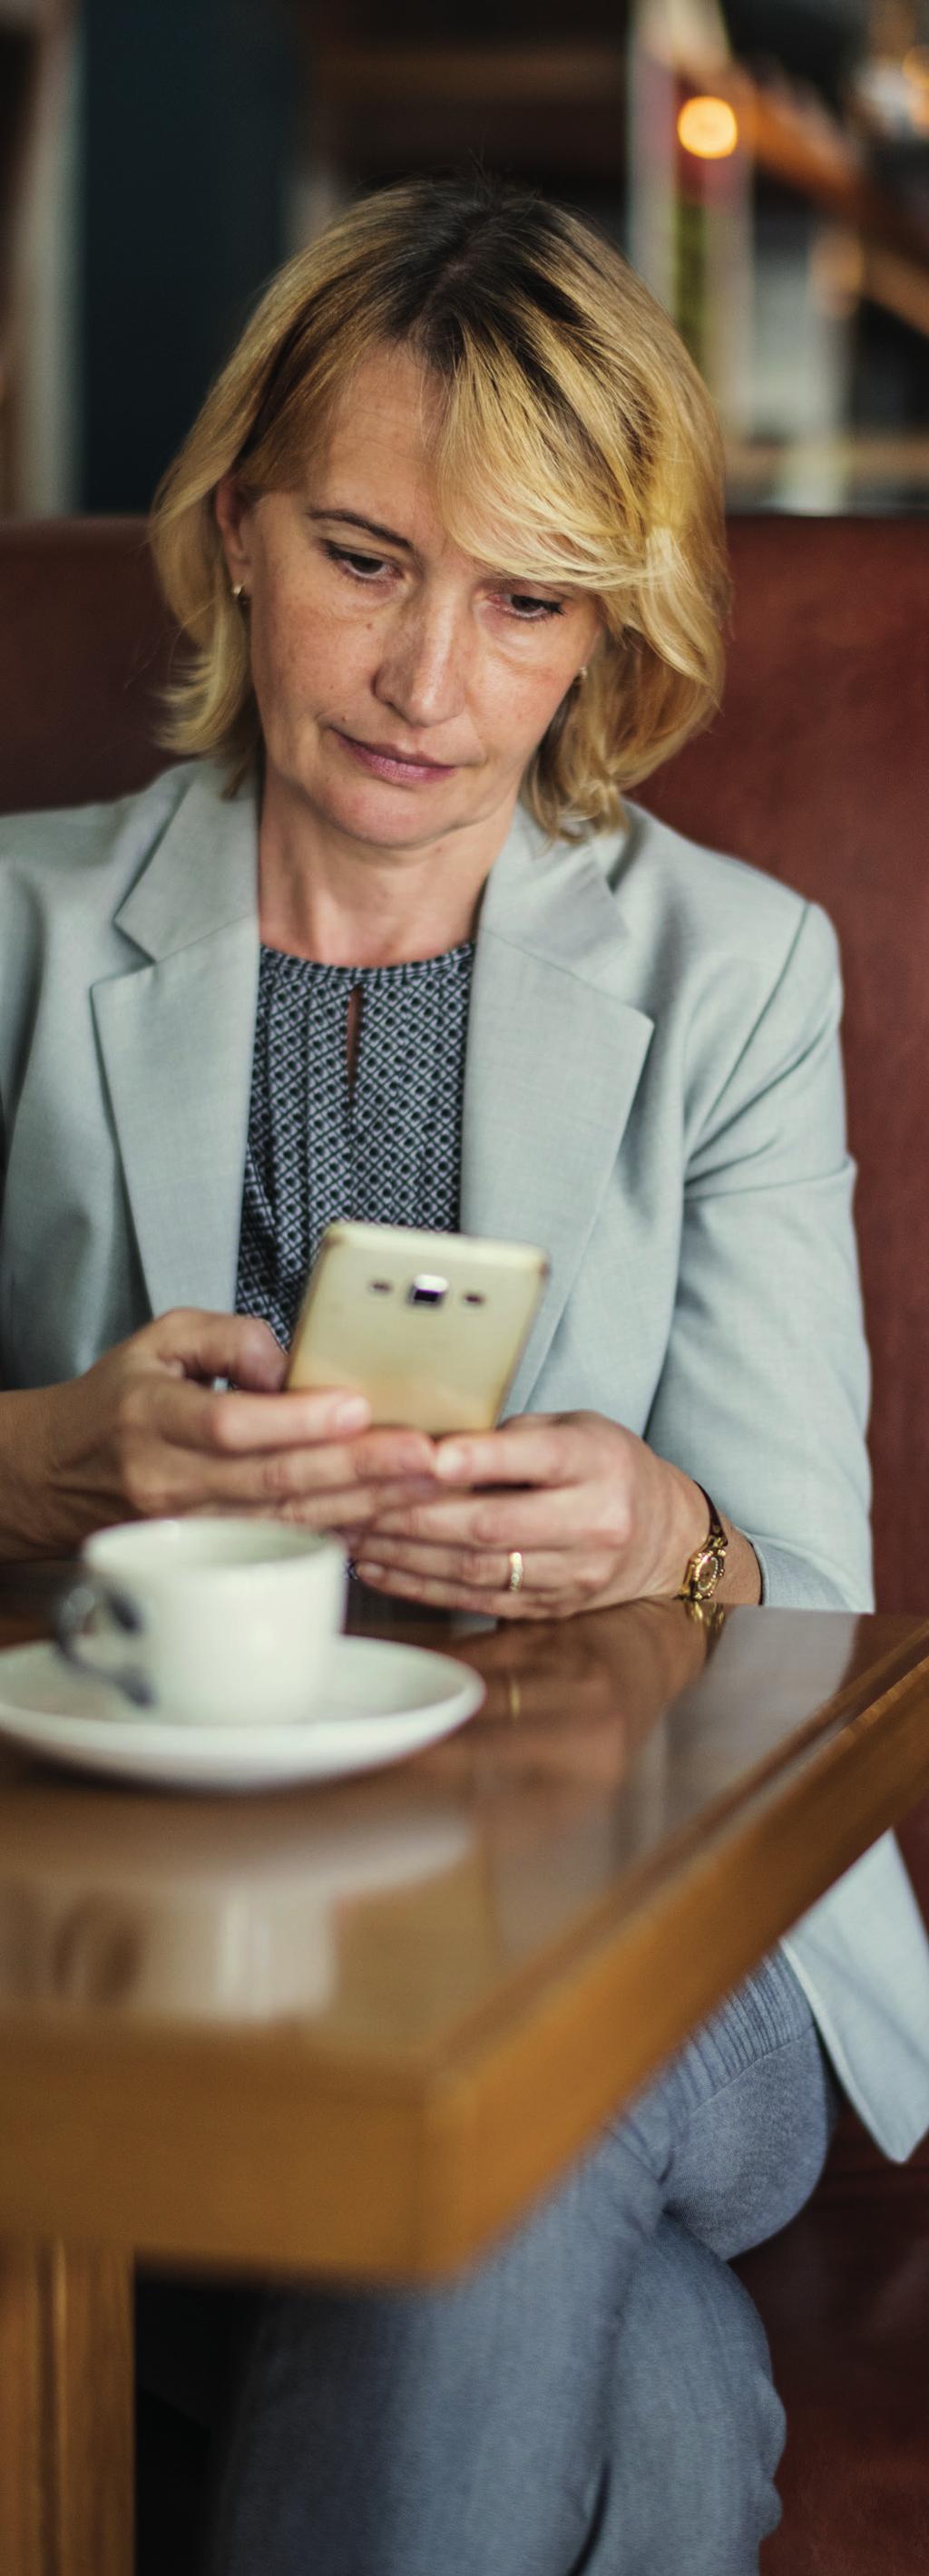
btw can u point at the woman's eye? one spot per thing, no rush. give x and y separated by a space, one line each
365 567
530 610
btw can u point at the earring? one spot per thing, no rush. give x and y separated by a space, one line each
239 590
582 673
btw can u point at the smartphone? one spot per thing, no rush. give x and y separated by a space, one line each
430 1327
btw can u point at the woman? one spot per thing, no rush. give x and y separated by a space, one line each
446 541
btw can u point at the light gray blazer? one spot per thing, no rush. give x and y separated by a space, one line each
653 1091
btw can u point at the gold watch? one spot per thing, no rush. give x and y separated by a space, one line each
705 1569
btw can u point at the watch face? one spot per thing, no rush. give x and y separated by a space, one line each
706 1571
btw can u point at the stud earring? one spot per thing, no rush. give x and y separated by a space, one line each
239 590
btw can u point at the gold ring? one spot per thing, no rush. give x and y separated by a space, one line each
517 1570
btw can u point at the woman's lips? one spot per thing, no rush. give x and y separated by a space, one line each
392 764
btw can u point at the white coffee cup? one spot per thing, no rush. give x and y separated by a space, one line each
219 1622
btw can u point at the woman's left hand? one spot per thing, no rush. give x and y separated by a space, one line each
591 1514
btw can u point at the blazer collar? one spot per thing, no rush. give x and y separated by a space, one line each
202 875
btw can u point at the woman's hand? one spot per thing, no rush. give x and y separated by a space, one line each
597 1519
145 1431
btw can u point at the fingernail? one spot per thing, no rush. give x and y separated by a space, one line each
352 1413
367 1570
450 1462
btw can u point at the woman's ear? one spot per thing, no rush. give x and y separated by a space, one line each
233 517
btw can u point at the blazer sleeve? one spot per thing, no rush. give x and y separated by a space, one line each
763 1396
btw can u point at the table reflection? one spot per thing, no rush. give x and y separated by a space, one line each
221 1914
375 1908
116 1902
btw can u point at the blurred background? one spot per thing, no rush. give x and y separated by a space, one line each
764 163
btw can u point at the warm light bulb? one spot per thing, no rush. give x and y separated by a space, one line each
708 127
916 66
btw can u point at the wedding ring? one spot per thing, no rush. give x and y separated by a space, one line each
515 1583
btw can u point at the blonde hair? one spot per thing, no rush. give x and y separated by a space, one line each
572 425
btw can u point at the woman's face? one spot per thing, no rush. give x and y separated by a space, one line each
402 687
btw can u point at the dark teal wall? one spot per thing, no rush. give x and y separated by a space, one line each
188 136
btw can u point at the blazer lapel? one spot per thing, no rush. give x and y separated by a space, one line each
555 1051
176 1037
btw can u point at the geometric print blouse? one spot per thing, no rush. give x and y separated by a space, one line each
384 1149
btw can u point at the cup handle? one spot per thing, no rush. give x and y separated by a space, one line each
71 1616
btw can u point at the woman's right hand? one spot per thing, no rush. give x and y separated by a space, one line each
146 1431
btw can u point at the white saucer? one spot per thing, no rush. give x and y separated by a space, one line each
382 1701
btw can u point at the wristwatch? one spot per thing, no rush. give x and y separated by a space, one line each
706 1567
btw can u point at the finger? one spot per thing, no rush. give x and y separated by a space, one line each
364 1472
209 1346
352 1512
251 1425
190 1416
203 1419
549 1518
483 1570
538 1449
433 1594
317 1487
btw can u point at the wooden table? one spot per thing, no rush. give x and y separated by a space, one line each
357 2029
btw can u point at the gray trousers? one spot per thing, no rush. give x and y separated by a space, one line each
594 2395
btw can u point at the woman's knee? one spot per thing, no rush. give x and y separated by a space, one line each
698 2428
750 2160
738 2126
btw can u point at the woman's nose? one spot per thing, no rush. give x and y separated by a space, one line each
422 669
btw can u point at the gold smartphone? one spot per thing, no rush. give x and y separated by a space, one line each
430 1327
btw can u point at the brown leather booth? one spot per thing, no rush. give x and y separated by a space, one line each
817 770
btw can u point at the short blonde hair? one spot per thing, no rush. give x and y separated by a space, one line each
573 427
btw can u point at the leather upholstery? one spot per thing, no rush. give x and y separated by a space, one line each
84 646
816 770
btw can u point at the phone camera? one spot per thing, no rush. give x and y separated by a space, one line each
427 1291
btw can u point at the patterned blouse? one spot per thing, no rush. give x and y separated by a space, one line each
383 1146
